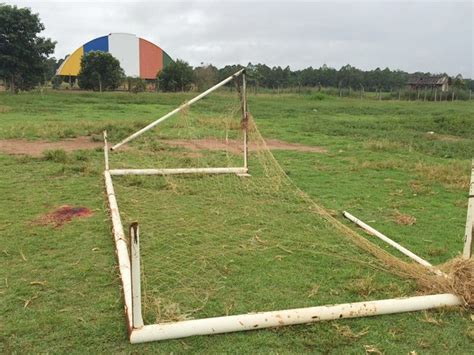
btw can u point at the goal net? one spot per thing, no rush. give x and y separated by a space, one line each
219 245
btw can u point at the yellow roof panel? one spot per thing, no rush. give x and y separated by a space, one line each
72 64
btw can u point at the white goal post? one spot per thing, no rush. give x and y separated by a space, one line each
129 264
467 251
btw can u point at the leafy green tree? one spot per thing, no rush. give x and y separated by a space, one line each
227 71
176 76
100 71
205 76
469 84
458 82
23 54
51 65
254 75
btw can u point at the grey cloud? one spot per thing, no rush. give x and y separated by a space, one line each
412 36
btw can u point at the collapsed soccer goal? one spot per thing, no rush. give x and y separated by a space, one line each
223 250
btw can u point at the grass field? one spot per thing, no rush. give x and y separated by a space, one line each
403 167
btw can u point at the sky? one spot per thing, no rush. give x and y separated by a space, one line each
417 35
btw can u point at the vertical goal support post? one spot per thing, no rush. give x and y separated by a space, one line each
467 251
135 275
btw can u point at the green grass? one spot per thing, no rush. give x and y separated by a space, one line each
60 287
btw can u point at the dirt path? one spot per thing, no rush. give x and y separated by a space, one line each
235 146
36 148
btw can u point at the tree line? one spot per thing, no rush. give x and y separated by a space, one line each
26 62
261 75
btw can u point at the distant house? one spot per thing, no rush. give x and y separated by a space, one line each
440 82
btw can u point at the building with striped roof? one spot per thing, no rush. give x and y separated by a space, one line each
138 57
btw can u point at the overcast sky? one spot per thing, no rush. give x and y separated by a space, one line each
435 36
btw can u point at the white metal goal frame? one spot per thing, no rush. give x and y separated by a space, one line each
179 171
128 255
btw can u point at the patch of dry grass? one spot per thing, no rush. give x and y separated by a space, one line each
461 281
453 175
4 109
444 137
436 251
403 218
346 332
430 319
372 349
364 286
383 164
419 188
383 145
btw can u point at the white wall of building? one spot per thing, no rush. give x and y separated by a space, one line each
125 47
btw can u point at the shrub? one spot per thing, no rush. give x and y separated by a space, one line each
177 76
56 155
136 85
100 71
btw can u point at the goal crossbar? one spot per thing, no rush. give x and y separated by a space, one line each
178 171
178 109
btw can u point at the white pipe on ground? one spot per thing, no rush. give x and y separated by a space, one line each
394 244
467 250
168 115
136 282
245 322
178 171
120 248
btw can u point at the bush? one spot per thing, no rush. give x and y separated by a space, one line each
177 76
56 155
100 71
136 85
56 82
319 96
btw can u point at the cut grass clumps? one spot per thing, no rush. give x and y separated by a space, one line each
319 96
56 155
446 174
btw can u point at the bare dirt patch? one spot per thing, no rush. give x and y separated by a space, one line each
62 215
235 146
37 148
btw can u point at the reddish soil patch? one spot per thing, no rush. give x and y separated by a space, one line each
235 146
37 148
63 215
